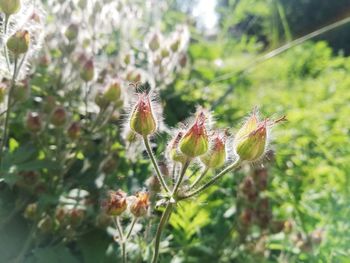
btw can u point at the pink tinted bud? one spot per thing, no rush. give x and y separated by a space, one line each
33 122
59 116
195 141
87 71
142 119
74 131
216 156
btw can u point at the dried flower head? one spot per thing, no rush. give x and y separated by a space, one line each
140 204
116 203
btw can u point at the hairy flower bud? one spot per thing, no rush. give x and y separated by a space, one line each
74 131
71 32
87 70
216 156
33 122
58 116
174 152
251 140
10 7
116 203
154 42
18 43
195 141
112 92
142 119
140 204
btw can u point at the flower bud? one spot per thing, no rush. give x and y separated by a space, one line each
10 7
183 60
74 131
58 116
71 32
116 204
87 70
35 17
154 44
195 142
45 225
142 119
216 156
175 45
113 91
140 204
133 76
3 89
174 153
33 122
18 43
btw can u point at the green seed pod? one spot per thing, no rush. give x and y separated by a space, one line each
195 142
113 92
10 7
142 119
18 43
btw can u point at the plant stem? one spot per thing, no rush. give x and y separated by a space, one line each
155 165
199 178
8 109
134 220
87 92
165 216
234 165
121 237
181 176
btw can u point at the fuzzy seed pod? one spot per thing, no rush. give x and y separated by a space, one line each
195 141
116 203
140 204
142 120
18 43
10 7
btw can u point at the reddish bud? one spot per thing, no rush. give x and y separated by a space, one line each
33 122
142 119
140 204
195 141
116 204
58 116
74 131
87 70
216 156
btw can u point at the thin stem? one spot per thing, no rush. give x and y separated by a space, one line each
134 220
87 92
199 178
155 165
181 176
121 237
234 165
8 111
5 47
165 216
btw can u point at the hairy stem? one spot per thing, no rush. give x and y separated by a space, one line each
181 176
155 164
199 178
134 220
8 109
231 167
121 237
165 216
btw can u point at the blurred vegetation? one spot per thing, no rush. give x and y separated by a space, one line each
300 213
